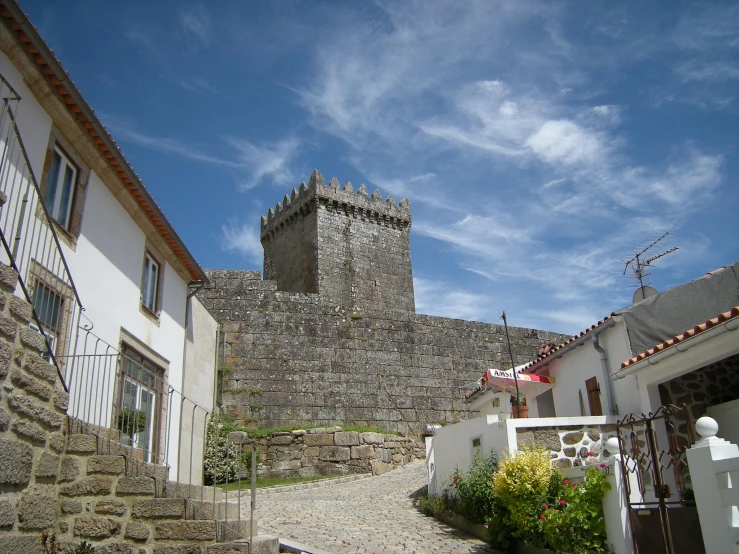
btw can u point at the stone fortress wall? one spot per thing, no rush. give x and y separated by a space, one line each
332 336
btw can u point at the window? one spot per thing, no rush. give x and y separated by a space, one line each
150 283
140 402
60 188
476 447
48 307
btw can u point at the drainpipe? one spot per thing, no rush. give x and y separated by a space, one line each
606 374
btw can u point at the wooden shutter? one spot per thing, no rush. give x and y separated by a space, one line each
591 385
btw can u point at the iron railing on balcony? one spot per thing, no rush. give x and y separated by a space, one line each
31 242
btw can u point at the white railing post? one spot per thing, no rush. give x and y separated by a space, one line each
616 506
711 461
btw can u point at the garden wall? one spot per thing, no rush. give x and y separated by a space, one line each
331 451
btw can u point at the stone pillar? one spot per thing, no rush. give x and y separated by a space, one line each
711 460
615 505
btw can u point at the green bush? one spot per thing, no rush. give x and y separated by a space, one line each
475 489
575 522
131 421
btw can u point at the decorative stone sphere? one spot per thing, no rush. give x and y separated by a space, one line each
706 427
612 445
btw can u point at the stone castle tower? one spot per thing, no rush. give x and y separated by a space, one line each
352 249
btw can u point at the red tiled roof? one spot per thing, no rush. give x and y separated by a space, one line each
546 351
64 87
721 318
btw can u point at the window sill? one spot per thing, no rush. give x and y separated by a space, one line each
152 316
65 236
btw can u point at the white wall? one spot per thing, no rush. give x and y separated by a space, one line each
106 264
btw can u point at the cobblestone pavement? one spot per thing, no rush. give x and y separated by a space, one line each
373 515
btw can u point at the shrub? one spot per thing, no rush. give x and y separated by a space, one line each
221 456
521 486
574 522
435 505
475 489
131 421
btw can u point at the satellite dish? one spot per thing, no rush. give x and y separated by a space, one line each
642 293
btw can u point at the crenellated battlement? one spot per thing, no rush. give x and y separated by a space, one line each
335 198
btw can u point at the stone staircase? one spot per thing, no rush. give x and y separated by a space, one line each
61 476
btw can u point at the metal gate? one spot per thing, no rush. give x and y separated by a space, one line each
661 520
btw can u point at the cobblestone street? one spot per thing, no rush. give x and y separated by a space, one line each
372 515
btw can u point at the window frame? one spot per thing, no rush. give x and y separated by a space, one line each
150 258
65 162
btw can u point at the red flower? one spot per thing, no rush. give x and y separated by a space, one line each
490 524
602 465
565 482
544 506
590 454
562 503
459 501
542 517
574 484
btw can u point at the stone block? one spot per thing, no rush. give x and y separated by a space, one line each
70 468
380 468
37 507
136 485
548 438
169 508
28 430
177 549
346 438
311 451
572 438
16 462
31 385
323 439
6 357
569 451
8 278
4 420
372 438
32 339
95 527
594 435
334 453
137 530
112 506
47 465
70 506
56 441
21 544
185 530
7 513
82 444
31 408
115 548
362 452
20 309
111 465
562 463
39 367
281 440
61 399
8 327
97 485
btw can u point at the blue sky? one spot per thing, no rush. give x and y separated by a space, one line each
540 143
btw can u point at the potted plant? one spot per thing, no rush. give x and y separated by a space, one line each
518 406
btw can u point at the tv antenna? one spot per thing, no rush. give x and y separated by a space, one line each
639 265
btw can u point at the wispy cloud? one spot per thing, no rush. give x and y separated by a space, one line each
266 162
441 299
242 238
198 85
196 22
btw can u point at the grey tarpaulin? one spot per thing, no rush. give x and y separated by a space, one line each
672 312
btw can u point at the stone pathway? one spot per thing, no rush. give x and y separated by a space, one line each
374 515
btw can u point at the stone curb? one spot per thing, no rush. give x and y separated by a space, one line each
287 545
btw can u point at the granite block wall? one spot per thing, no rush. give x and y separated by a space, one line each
297 359
570 445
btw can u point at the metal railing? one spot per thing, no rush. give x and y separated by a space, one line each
31 243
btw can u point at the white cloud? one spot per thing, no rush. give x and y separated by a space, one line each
196 22
440 299
242 238
567 143
267 162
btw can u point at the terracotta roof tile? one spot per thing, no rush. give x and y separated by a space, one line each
721 318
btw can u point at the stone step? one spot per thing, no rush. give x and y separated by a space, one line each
232 530
262 544
197 509
174 489
136 486
158 508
